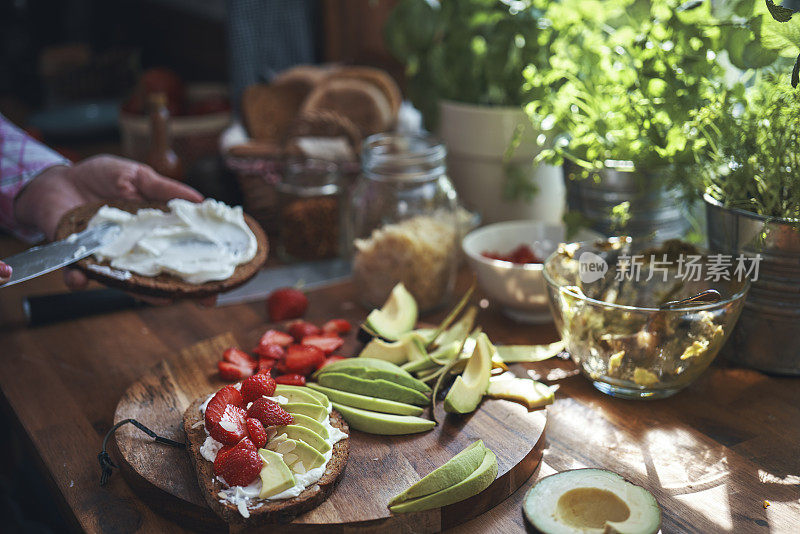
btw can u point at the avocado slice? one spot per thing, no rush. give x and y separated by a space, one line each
315 411
449 474
409 347
460 329
301 433
298 395
591 500
368 403
397 316
311 424
383 423
372 387
468 389
298 455
529 392
320 398
479 480
441 356
398 376
275 474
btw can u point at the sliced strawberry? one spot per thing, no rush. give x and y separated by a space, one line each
231 426
331 359
244 443
302 359
257 386
326 343
265 366
216 412
238 357
239 466
337 326
222 398
275 337
271 351
256 431
232 371
301 329
269 413
291 380
286 303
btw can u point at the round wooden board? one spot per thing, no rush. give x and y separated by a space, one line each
379 467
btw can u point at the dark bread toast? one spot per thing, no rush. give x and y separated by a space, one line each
269 512
163 285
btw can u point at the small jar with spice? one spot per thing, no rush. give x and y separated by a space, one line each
402 224
309 201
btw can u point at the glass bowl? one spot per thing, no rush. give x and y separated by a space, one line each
609 301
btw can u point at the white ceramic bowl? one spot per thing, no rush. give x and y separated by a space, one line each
519 289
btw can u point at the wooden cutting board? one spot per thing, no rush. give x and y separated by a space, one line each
378 468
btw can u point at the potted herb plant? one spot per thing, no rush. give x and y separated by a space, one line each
625 80
752 197
464 62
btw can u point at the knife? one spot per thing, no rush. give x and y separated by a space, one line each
41 260
45 309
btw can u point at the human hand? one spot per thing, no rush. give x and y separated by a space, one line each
59 189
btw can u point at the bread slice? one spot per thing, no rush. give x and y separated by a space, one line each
360 101
164 285
268 109
281 511
380 78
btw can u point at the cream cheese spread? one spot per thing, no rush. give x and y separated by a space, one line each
246 498
197 242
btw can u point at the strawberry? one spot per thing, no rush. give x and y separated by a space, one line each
327 344
238 357
302 359
337 326
265 366
244 443
286 303
275 337
238 466
257 386
270 351
231 426
232 371
269 413
216 408
301 329
291 380
257 433
331 359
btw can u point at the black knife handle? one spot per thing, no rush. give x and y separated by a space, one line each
46 309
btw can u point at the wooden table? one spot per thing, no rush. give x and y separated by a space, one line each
711 455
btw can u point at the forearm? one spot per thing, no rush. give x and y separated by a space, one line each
22 159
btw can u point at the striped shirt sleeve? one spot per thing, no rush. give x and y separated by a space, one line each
22 158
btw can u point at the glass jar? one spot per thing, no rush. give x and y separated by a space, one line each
402 221
309 202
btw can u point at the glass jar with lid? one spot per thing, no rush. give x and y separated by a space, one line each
403 220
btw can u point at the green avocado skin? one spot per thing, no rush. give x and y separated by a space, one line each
383 423
449 474
475 483
373 388
367 403
380 374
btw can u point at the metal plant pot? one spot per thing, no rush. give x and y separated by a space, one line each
767 336
655 211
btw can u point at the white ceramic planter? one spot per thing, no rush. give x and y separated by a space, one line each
477 138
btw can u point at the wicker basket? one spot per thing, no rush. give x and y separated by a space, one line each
193 136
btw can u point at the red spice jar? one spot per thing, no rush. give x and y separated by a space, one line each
310 204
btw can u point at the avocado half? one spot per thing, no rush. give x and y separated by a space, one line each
397 316
591 501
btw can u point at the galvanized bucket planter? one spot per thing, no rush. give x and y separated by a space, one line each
767 336
655 211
